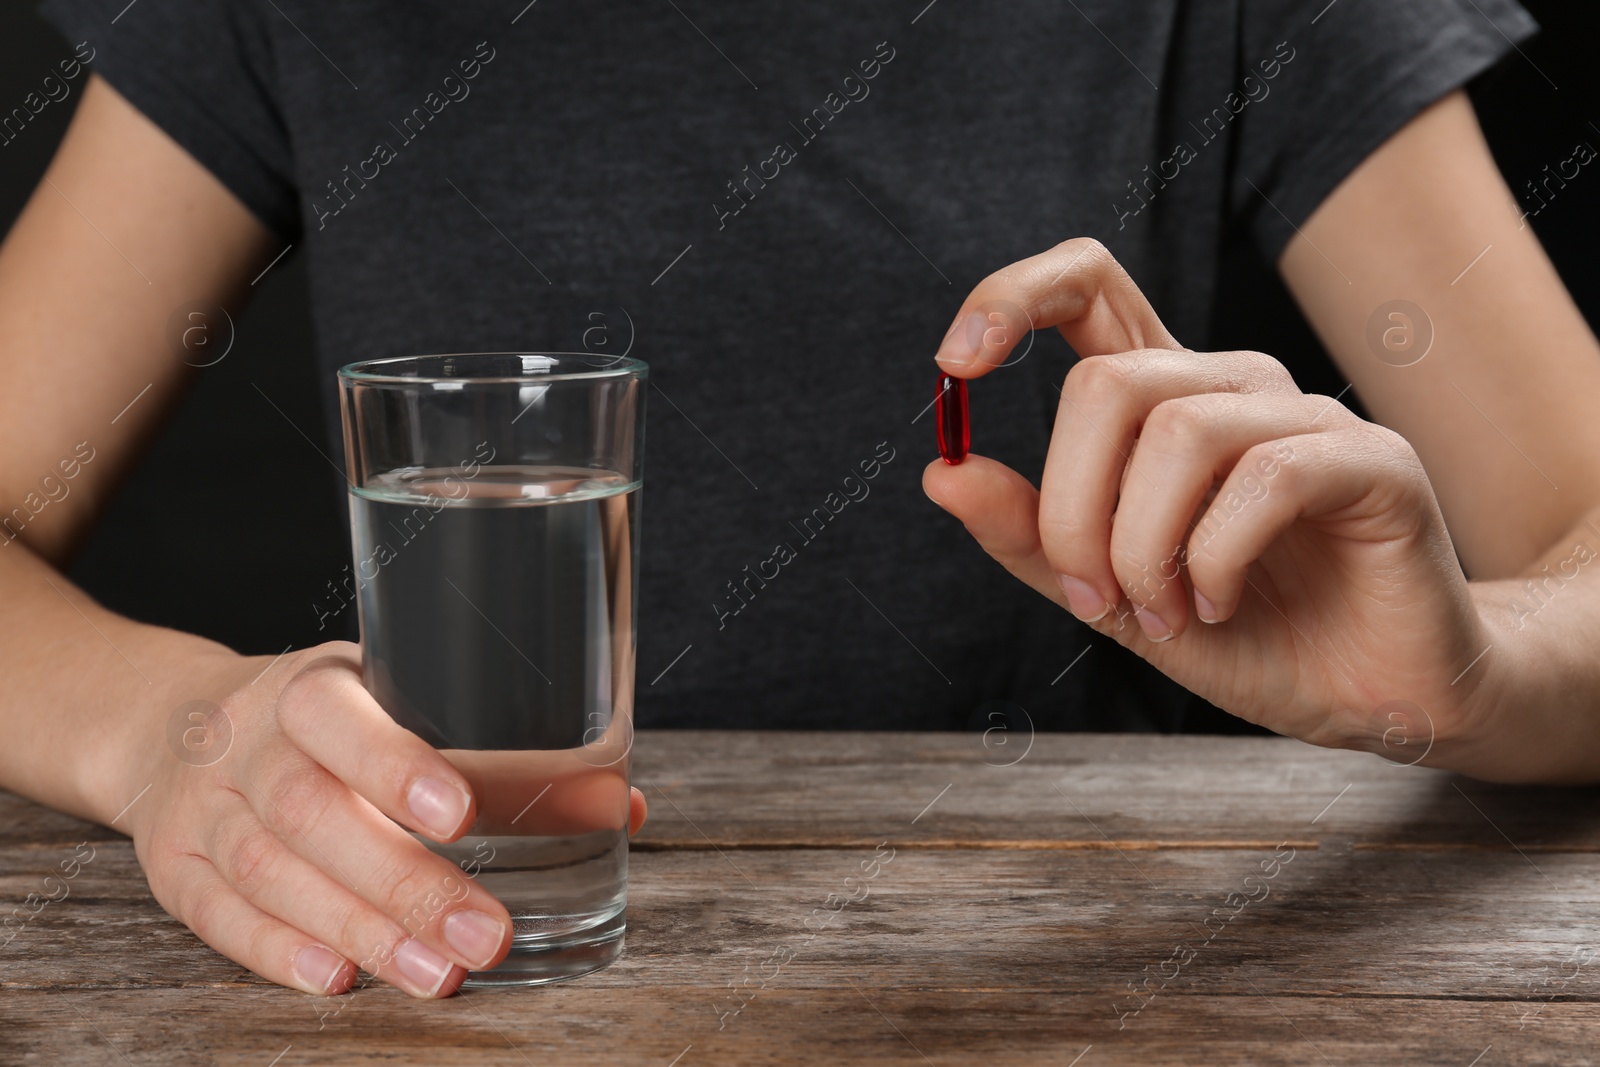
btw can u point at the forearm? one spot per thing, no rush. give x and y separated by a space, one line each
88 693
1536 690
1509 442
126 229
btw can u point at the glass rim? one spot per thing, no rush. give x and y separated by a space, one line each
370 371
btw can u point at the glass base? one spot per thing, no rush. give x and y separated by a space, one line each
541 959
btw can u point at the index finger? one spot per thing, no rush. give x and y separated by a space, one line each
1077 287
327 712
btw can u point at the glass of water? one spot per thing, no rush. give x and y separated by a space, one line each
494 503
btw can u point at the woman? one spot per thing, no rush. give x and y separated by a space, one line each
781 202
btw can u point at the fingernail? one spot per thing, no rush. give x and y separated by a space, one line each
961 345
425 968
318 968
1151 624
1084 602
1204 608
438 806
475 935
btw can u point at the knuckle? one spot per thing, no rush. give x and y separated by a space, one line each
1212 520
301 697
1180 425
1269 372
249 857
1399 457
1059 517
1210 539
1069 539
1276 462
311 687
362 934
202 911
297 801
1098 381
1327 411
1261 454
413 893
1393 440
1140 579
1088 250
1201 554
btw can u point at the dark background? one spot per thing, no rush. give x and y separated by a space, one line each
232 526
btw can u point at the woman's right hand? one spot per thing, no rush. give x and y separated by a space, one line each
1187 486
270 829
277 828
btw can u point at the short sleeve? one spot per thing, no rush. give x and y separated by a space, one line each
202 71
1351 74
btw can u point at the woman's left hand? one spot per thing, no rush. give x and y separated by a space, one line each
1265 548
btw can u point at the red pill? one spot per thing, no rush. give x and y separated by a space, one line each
950 413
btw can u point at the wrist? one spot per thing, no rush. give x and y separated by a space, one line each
141 740
1521 717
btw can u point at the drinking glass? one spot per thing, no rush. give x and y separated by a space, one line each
494 504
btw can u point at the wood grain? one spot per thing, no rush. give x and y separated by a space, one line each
757 790
1017 922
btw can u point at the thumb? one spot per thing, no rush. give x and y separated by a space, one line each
1000 509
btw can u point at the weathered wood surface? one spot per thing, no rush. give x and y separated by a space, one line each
755 790
1078 900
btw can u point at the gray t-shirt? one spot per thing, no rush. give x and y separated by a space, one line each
780 207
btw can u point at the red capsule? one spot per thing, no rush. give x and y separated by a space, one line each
950 413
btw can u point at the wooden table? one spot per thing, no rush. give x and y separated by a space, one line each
928 898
